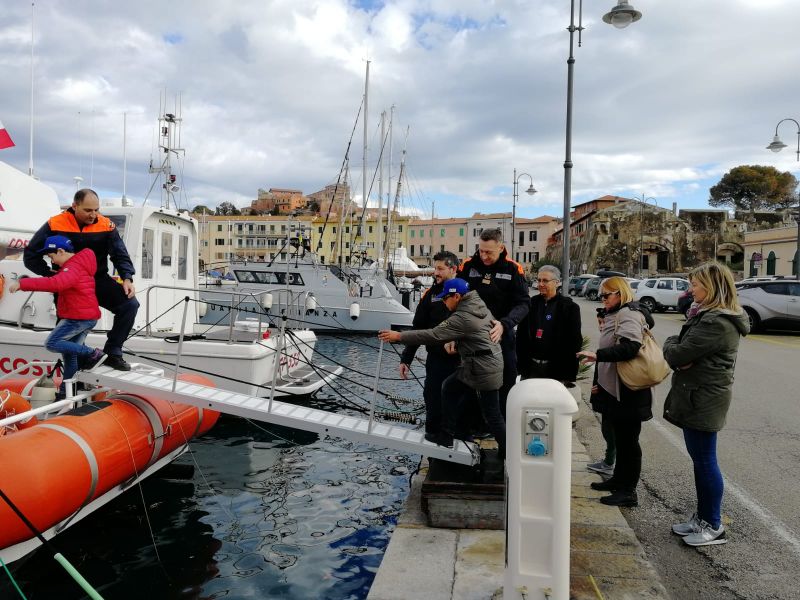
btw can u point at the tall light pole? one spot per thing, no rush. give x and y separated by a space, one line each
622 15
776 146
642 202
530 191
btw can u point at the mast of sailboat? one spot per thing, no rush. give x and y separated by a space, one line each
30 145
379 239
395 207
364 155
124 158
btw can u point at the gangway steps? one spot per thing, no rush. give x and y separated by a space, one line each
279 413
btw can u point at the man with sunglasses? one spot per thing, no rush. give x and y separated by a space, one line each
549 337
84 226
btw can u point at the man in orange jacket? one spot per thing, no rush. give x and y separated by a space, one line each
85 227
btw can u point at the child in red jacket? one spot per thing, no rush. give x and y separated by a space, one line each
77 307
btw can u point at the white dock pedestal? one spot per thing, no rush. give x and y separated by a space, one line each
538 465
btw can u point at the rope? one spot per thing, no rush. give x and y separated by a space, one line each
13 581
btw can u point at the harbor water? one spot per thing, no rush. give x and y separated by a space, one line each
252 511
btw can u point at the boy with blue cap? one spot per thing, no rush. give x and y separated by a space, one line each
76 306
481 370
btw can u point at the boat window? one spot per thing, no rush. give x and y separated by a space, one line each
119 221
148 242
166 249
183 247
245 276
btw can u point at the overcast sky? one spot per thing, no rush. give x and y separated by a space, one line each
271 88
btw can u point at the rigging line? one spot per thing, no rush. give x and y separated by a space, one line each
13 581
341 170
154 320
97 409
372 183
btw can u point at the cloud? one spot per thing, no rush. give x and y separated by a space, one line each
269 94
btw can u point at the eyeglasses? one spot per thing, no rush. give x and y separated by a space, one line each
607 295
546 280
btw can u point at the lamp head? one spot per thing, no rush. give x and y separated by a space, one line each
622 15
777 145
531 190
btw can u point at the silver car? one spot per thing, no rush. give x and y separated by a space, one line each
771 304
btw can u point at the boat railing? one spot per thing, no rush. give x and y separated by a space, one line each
295 302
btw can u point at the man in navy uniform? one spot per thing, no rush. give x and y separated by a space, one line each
501 284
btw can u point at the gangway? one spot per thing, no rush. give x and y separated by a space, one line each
279 413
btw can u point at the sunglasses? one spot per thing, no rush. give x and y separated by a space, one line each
607 295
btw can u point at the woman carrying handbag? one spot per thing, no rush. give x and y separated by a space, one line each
704 356
621 338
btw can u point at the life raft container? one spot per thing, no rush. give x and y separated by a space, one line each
11 403
53 469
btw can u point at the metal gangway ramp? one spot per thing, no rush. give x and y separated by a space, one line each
279 413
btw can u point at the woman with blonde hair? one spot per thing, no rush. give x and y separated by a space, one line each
703 356
621 337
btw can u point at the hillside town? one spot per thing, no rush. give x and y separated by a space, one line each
610 232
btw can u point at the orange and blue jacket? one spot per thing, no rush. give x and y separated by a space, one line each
101 237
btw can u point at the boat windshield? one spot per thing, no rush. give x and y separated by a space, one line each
268 277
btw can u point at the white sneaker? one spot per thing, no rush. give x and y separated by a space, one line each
706 536
691 526
601 467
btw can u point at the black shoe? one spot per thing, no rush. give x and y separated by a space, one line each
609 485
440 439
95 359
116 362
621 498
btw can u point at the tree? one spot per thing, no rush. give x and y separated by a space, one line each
226 209
202 209
755 187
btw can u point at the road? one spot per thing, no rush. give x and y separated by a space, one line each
759 453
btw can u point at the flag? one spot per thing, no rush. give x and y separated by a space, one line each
5 139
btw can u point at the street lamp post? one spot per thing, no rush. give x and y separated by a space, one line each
642 202
530 191
622 15
776 146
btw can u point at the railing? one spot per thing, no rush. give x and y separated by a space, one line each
294 303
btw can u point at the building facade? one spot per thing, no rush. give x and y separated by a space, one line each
772 251
530 239
426 237
350 243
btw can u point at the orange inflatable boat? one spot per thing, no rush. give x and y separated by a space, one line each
53 468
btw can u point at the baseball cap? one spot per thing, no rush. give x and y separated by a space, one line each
454 286
54 242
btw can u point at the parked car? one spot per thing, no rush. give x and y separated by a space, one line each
592 288
635 284
577 282
658 294
771 304
685 302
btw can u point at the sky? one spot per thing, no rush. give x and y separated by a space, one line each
270 89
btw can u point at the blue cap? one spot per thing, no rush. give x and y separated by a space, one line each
454 286
54 242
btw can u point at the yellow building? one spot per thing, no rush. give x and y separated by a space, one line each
771 252
356 242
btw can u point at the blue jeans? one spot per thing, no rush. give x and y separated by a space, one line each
454 391
67 339
702 447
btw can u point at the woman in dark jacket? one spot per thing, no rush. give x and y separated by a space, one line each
621 338
703 356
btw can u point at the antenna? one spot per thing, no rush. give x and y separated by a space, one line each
30 148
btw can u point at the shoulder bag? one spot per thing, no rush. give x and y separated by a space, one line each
647 368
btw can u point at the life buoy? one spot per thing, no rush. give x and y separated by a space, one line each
12 404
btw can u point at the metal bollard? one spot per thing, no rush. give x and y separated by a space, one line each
538 466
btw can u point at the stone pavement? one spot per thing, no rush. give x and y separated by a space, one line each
607 561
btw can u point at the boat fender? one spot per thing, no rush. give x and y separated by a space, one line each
266 302
12 404
355 311
311 303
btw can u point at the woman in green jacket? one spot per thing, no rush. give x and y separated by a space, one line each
703 356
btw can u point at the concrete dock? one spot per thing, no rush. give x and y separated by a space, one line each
607 561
